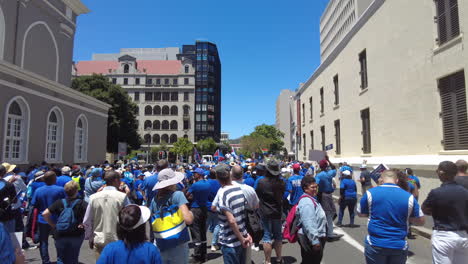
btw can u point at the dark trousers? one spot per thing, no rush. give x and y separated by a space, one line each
68 249
308 254
350 204
198 231
44 232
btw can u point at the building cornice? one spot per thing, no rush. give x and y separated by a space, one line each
13 70
77 6
370 11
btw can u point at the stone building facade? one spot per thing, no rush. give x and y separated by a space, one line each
41 118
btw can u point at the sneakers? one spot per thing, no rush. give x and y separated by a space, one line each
339 224
214 248
254 248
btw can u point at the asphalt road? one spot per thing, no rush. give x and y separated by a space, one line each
349 249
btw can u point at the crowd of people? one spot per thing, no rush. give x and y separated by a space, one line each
132 213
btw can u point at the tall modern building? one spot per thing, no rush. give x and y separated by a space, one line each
391 87
207 63
41 117
285 120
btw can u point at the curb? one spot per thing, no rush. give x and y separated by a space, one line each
422 231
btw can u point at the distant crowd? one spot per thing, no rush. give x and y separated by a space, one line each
149 213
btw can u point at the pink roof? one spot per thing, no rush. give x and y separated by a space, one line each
161 67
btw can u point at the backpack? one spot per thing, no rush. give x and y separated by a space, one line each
67 221
291 226
254 224
169 227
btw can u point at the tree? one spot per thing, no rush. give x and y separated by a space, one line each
207 146
272 133
254 144
183 147
122 125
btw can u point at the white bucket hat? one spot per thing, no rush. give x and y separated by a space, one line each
168 177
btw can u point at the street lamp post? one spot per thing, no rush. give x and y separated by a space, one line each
148 129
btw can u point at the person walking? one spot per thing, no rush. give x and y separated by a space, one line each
93 183
293 185
43 198
348 198
170 216
64 177
198 193
234 238
133 246
448 205
364 178
312 235
270 191
325 197
388 208
100 220
462 176
213 225
68 238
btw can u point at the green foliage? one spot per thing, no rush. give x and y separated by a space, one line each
207 146
121 123
272 133
183 147
254 143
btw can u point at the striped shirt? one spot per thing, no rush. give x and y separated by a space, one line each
231 199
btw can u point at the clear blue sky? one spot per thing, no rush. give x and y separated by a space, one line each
265 46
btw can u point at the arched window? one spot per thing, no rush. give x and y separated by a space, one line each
165 125
148 110
186 109
15 144
147 125
81 139
173 125
156 139
157 110
147 139
54 136
187 69
185 136
174 110
165 110
173 138
126 68
156 125
165 138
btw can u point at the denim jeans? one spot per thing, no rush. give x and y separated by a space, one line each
44 232
176 255
214 240
68 249
233 255
272 230
351 204
378 255
212 221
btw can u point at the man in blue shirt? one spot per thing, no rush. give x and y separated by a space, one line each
42 199
388 208
325 182
198 193
293 185
150 182
65 177
348 198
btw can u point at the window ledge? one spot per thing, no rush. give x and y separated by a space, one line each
453 152
363 91
366 155
337 106
54 161
80 161
447 45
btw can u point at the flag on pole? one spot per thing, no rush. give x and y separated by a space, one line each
264 151
375 174
217 154
233 153
196 155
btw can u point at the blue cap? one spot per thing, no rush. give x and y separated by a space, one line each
199 171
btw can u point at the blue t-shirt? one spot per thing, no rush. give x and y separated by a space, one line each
214 187
7 252
349 186
148 185
250 181
46 196
389 206
324 181
62 180
34 186
116 253
139 185
293 186
200 191
331 173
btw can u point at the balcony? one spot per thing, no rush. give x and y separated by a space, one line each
186 117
